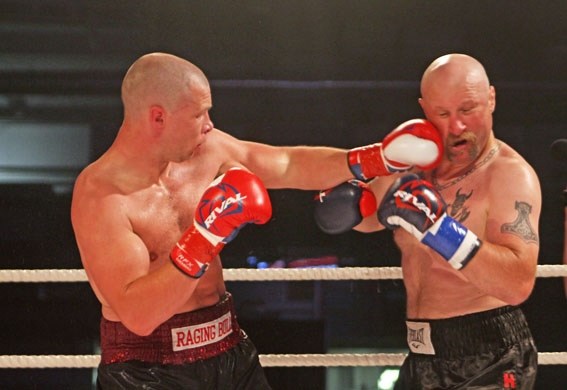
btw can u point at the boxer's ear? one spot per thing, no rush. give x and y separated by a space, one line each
492 99
157 117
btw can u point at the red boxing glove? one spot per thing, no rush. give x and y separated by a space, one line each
413 143
231 201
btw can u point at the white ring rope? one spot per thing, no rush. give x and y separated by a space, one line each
291 360
253 275
243 274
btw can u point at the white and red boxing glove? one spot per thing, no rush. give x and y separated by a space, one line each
231 201
413 143
339 209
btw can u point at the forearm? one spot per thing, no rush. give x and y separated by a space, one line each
499 272
413 143
311 168
150 300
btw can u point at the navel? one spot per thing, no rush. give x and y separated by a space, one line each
153 256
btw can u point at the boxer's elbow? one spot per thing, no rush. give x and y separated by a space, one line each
521 292
139 324
515 284
142 330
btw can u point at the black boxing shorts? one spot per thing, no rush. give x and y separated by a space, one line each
487 350
202 349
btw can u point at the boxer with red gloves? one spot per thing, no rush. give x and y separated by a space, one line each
413 143
145 209
232 200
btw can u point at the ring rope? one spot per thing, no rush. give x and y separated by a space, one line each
246 274
270 360
243 274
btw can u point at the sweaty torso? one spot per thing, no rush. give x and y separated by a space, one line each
161 212
434 289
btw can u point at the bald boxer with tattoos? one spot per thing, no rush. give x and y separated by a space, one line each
468 235
153 213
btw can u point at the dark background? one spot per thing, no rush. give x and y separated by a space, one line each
339 73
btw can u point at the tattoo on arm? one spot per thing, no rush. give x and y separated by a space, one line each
521 227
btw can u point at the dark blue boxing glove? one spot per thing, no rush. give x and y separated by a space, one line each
341 208
415 205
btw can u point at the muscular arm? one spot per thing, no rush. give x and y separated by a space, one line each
300 167
117 263
505 266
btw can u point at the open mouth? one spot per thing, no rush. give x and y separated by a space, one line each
459 143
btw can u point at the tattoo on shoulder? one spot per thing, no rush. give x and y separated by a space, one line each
521 226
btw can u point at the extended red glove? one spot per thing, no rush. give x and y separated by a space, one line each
413 143
231 201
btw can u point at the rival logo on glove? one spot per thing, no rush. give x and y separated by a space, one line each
224 205
412 195
230 197
192 267
408 198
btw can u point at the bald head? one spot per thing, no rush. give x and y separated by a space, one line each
158 79
453 71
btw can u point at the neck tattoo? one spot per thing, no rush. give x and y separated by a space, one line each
478 164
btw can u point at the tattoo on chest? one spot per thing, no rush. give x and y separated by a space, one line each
457 209
521 226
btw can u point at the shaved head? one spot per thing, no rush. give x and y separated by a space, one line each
452 71
457 97
158 79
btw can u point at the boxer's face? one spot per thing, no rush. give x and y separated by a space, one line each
191 121
463 115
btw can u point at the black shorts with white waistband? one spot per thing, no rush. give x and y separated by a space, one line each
487 350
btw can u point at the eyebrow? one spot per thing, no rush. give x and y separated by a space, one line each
462 104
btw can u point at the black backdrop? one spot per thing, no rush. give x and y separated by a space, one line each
338 73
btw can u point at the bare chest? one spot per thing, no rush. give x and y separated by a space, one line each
465 202
161 213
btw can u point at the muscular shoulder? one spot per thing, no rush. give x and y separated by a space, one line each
94 182
222 145
94 194
229 151
514 190
221 149
512 172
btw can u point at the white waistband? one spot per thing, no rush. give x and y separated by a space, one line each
199 335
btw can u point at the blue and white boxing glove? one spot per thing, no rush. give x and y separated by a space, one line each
415 205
